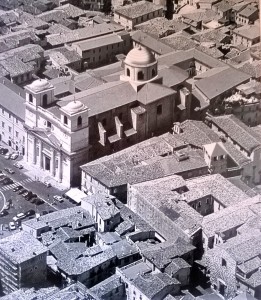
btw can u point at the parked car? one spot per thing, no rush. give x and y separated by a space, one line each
22 191
19 216
30 212
3 151
7 156
28 193
14 155
33 200
44 212
30 196
3 213
2 178
25 193
19 166
9 170
39 201
17 188
48 184
12 226
58 198
7 181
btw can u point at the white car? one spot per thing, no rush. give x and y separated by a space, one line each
14 156
58 198
17 165
12 226
19 216
48 184
7 156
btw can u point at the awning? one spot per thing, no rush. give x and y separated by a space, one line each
76 195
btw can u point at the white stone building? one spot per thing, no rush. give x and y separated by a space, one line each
57 138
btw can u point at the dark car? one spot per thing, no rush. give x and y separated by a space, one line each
39 201
3 213
30 196
17 188
3 151
33 200
30 212
22 191
8 181
44 212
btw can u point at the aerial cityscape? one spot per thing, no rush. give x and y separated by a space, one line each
130 150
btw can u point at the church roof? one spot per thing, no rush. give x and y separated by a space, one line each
140 56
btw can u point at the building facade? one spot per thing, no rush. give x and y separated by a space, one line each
22 262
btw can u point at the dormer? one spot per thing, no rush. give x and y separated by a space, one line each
40 93
74 115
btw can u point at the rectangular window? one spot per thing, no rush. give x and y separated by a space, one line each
49 124
3 112
16 134
3 124
159 109
10 129
10 116
16 121
224 263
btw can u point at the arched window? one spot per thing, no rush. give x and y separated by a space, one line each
44 100
65 120
128 72
79 121
140 75
153 73
31 98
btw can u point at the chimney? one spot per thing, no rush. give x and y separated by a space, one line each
177 128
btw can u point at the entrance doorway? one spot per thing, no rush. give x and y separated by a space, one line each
47 164
222 288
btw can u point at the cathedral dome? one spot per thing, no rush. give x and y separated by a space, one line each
74 107
40 85
140 56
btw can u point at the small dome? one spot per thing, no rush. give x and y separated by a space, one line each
40 85
140 56
74 107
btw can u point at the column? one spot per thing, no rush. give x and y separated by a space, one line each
53 163
34 150
41 154
60 167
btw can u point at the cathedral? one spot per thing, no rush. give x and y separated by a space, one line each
62 135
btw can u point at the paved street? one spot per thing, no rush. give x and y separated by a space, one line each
19 204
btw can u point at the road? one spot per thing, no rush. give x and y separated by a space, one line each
19 204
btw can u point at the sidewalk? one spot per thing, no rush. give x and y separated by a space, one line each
40 175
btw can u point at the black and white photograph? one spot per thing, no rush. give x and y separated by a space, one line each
130 150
